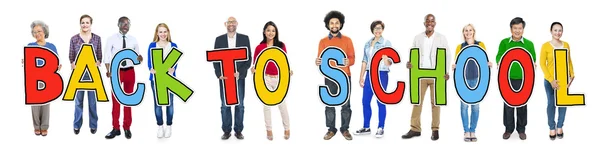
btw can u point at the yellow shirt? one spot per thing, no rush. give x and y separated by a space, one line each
459 47
547 60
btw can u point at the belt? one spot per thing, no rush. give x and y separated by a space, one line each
125 69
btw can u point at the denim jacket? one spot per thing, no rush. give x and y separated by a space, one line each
368 54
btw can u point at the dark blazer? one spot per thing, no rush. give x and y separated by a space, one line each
242 41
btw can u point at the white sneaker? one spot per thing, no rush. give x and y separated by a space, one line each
379 133
160 132
167 131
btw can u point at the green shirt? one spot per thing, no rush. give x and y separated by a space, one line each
508 43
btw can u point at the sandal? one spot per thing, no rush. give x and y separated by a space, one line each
467 137
473 138
44 132
37 132
269 135
286 135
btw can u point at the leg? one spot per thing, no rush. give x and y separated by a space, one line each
551 107
521 111
415 118
366 102
116 113
78 118
36 116
128 84
239 109
435 110
284 115
509 118
464 115
157 109
383 77
93 114
170 110
561 116
346 116
225 111
330 114
45 117
474 117
267 115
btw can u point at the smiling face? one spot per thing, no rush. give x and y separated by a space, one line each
85 24
378 30
38 33
163 33
469 32
334 25
517 31
557 31
231 24
429 23
270 32
124 26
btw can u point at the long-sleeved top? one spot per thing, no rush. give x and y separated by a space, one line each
115 44
369 51
471 67
166 50
77 42
47 45
547 60
240 40
343 42
271 67
428 47
516 72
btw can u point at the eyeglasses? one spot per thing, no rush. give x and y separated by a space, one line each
231 22
378 28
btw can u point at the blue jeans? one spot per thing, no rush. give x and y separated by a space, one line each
239 109
551 109
464 113
367 97
158 109
78 119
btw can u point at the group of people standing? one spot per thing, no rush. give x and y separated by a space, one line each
427 42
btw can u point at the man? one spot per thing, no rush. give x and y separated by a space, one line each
334 22
428 43
233 39
116 43
515 75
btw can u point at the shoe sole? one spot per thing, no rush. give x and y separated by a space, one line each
378 136
364 133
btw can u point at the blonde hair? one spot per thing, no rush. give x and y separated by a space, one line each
465 28
156 39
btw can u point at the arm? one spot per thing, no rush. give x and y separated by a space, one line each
99 49
448 54
72 54
246 64
108 54
571 71
350 52
544 54
174 46
389 44
501 50
150 56
532 51
458 48
216 65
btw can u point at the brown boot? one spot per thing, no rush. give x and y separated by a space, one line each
329 135
347 135
286 135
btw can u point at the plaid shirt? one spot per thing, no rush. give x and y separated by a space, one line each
77 42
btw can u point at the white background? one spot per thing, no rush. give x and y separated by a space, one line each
197 123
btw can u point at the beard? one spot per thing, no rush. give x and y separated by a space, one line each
334 31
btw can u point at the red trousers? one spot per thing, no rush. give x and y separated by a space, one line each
127 80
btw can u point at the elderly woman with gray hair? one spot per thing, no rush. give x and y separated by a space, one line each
41 113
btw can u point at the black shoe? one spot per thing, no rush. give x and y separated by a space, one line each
239 135
225 136
76 131
560 136
411 134
128 134
552 137
93 131
112 134
435 135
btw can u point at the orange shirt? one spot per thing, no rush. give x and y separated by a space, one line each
343 42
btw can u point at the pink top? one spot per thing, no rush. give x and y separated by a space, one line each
271 67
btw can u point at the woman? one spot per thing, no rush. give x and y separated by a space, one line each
472 76
547 62
162 39
371 47
85 36
271 39
41 113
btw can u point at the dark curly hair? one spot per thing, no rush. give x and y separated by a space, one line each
334 14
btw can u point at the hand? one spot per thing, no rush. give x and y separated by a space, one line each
222 78
108 74
446 76
453 66
171 71
490 64
362 82
72 66
236 75
59 66
22 62
386 60
555 85
98 64
291 72
408 65
152 71
253 70
534 66
571 81
318 61
346 62
140 58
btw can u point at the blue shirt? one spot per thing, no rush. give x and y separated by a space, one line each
153 45
368 53
47 45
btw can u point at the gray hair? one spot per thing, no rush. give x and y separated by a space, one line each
43 25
